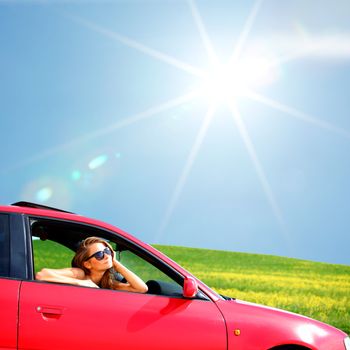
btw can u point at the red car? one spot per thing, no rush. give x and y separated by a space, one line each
177 312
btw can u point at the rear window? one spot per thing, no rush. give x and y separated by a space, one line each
4 245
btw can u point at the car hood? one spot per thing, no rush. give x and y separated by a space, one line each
266 327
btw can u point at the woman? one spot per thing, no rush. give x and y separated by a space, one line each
94 265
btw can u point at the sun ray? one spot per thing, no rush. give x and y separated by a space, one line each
213 58
297 114
296 55
313 46
138 46
259 170
244 34
185 172
104 131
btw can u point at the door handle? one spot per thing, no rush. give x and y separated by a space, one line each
50 310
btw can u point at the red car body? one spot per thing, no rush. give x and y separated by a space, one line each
43 315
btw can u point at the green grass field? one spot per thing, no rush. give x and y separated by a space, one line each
317 290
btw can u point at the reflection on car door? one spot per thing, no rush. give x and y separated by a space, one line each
54 316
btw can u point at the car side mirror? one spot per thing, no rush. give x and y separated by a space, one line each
190 288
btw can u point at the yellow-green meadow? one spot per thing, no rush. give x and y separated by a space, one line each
317 290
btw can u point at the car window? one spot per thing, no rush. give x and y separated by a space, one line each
54 243
4 245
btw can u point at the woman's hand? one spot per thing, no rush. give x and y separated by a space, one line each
134 283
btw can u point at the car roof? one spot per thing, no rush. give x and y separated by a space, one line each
46 212
43 212
38 206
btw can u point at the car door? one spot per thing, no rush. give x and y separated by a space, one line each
9 312
54 316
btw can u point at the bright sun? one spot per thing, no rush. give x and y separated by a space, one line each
226 82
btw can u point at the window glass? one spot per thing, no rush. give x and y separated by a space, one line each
142 268
157 281
4 245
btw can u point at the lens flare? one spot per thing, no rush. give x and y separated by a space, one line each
52 191
76 175
44 194
98 161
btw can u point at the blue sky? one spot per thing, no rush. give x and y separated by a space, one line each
215 124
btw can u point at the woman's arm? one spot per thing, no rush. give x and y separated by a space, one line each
72 275
134 283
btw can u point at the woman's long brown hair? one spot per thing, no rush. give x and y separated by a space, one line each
81 255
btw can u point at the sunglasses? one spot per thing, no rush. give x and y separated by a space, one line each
100 254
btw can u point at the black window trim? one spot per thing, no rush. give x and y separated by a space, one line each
20 258
5 245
